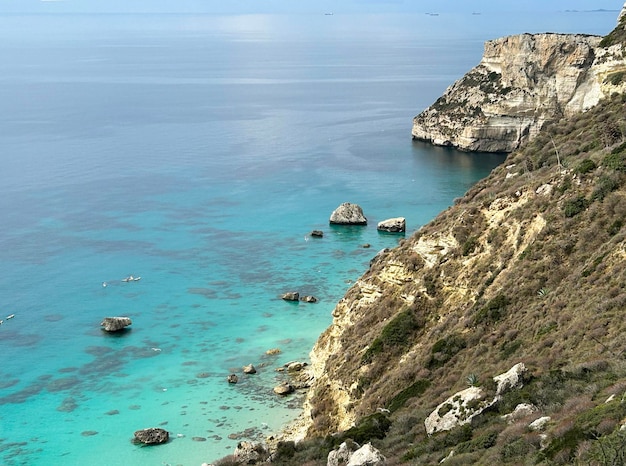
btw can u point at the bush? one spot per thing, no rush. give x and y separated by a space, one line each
416 389
445 349
493 311
615 227
469 245
374 426
604 187
575 206
616 160
585 166
397 333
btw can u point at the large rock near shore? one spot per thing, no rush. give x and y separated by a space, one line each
151 436
348 214
115 324
521 83
393 225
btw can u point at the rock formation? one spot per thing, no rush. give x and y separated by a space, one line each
249 369
249 453
348 214
521 83
351 454
115 324
291 296
151 436
393 225
284 388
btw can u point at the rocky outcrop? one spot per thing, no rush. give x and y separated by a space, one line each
250 453
462 407
291 296
151 436
348 214
249 369
350 454
284 388
393 225
522 82
115 324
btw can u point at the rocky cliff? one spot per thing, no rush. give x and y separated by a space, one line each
526 270
521 83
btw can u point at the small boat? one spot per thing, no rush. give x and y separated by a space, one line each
11 316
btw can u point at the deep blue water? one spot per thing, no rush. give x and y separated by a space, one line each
198 152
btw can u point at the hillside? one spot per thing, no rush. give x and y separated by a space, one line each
528 267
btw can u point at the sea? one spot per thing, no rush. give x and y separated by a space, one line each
198 153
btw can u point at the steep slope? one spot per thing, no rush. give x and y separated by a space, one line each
521 83
528 266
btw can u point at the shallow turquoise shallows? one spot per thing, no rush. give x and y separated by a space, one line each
198 153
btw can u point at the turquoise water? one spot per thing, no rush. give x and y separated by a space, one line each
198 152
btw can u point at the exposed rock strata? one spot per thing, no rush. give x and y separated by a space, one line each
522 82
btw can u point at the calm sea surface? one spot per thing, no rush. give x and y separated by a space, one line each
198 152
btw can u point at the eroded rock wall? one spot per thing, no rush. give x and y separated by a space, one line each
522 82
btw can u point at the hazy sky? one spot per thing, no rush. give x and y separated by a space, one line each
299 6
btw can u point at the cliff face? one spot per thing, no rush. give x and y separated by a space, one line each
521 83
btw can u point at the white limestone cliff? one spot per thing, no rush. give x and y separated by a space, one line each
522 82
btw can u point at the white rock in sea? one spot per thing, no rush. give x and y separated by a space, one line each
348 214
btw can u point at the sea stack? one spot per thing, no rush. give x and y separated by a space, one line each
348 214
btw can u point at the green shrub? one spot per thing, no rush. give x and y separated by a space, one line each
397 333
416 389
604 186
493 311
509 348
285 450
445 349
585 166
445 409
565 445
615 227
482 442
514 452
575 206
616 160
374 426
615 78
469 245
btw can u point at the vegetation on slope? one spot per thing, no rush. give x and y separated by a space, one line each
535 274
